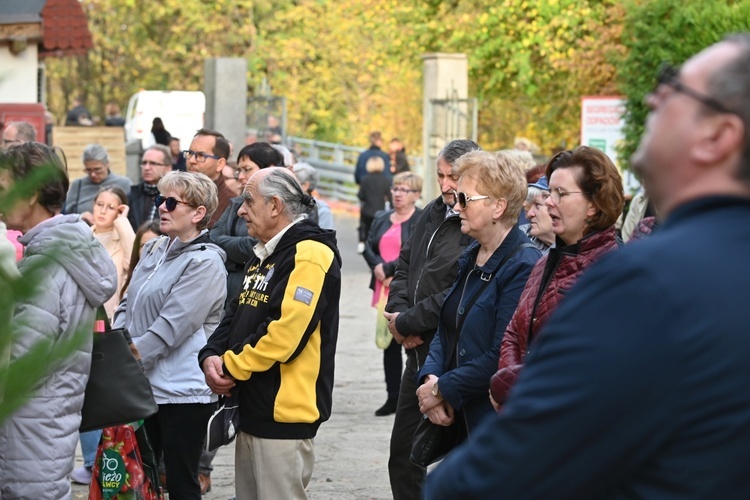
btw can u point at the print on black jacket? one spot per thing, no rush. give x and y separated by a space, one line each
278 336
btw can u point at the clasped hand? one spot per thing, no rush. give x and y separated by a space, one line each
439 412
217 381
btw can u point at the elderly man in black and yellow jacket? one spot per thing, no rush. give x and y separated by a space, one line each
277 340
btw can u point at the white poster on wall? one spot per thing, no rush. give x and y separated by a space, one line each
602 121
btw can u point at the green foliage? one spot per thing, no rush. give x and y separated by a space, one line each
351 66
668 31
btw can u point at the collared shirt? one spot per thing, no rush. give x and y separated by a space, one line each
264 251
449 211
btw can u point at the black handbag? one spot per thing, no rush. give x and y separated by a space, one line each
118 391
224 424
431 442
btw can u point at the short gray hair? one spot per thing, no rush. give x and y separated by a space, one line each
456 149
533 192
164 151
281 183
524 158
95 152
195 189
26 131
730 85
306 173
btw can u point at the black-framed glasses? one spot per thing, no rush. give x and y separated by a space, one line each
199 155
670 76
403 190
462 200
171 202
558 194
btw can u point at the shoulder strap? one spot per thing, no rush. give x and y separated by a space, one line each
486 279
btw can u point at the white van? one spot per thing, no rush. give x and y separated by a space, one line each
181 111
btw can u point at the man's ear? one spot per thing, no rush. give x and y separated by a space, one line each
220 164
277 206
723 137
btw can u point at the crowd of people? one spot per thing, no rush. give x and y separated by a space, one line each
567 363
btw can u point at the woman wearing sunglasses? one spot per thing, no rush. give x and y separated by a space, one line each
492 273
585 200
389 231
173 304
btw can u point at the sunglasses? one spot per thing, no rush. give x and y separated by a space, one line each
462 200
171 202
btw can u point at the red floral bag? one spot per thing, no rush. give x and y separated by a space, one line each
120 470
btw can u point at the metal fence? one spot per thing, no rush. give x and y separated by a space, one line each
335 164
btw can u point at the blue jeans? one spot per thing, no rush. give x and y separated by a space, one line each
89 444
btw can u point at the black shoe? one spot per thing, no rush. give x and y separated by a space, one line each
388 408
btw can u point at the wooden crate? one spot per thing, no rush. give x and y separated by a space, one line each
73 140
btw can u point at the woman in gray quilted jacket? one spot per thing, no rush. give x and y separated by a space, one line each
73 275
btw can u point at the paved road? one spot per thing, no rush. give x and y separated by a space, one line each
352 447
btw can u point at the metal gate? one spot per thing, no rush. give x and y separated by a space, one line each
266 117
446 120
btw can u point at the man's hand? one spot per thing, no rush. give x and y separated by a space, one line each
391 317
427 401
215 378
412 341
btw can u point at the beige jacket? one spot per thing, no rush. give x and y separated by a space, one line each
119 246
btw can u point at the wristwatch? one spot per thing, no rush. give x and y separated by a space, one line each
436 391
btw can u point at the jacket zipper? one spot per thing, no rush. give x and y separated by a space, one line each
427 254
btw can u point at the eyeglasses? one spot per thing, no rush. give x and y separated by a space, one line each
95 170
244 170
462 200
101 205
200 156
558 194
669 76
171 203
403 190
152 163
10 142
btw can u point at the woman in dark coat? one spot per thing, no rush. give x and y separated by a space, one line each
161 136
585 201
388 233
492 272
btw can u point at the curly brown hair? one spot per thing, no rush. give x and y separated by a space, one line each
599 181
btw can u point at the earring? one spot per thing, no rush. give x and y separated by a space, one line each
494 221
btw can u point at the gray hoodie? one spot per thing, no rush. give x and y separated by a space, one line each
173 304
38 442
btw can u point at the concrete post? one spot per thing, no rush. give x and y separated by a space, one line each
445 76
225 87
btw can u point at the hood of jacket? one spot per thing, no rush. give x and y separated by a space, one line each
68 241
175 248
306 229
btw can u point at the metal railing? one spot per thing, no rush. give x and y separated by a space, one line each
335 164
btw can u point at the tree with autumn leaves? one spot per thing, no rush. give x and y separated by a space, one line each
347 67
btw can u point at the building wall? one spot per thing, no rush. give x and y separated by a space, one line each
18 75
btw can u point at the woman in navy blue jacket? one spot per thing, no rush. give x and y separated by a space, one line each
492 273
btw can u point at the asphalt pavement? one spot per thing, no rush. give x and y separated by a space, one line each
351 449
